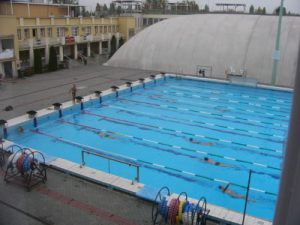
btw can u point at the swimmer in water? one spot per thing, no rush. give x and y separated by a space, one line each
213 162
201 143
105 135
20 129
231 193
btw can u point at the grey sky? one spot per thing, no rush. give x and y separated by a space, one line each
291 5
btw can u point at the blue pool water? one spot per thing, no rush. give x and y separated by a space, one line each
241 128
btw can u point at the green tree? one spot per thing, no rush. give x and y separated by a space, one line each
104 11
206 8
263 10
121 42
251 9
112 9
38 67
119 10
105 7
113 43
98 8
276 11
259 10
52 59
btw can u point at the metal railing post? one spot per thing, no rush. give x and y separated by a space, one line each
246 199
82 158
138 174
108 161
109 158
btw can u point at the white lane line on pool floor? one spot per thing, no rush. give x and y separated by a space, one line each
252 131
256 189
203 153
227 141
175 146
155 142
259 164
253 146
222 181
184 109
199 135
158 165
229 158
189 173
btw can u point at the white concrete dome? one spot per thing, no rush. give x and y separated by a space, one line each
219 41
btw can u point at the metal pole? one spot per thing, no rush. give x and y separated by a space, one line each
276 54
247 193
82 158
138 174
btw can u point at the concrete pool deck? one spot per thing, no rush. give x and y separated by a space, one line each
41 91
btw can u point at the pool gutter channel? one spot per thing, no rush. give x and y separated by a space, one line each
217 213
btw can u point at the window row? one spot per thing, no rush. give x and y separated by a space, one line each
64 31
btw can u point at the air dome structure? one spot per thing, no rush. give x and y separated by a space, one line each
218 42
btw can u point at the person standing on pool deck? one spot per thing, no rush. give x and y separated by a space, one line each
73 91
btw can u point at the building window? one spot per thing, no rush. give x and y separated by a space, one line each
105 29
88 30
109 29
60 32
96 29
145 22
34 33
43 32
131 33
26 33
49 32
74 31
101 29
19 34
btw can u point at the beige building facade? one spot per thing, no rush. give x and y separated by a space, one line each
73 37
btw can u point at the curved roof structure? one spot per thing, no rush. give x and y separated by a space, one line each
219 41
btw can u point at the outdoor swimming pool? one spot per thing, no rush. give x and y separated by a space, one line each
237 128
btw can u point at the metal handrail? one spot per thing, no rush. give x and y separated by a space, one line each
137 178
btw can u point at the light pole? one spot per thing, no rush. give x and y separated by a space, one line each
276 53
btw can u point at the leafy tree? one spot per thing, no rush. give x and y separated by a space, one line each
276 11
206 8
52 59
105 8
121 42
38 67
113 44
104 11
98 10
83 11
119 10
259 10
263 10
251 9
112 9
